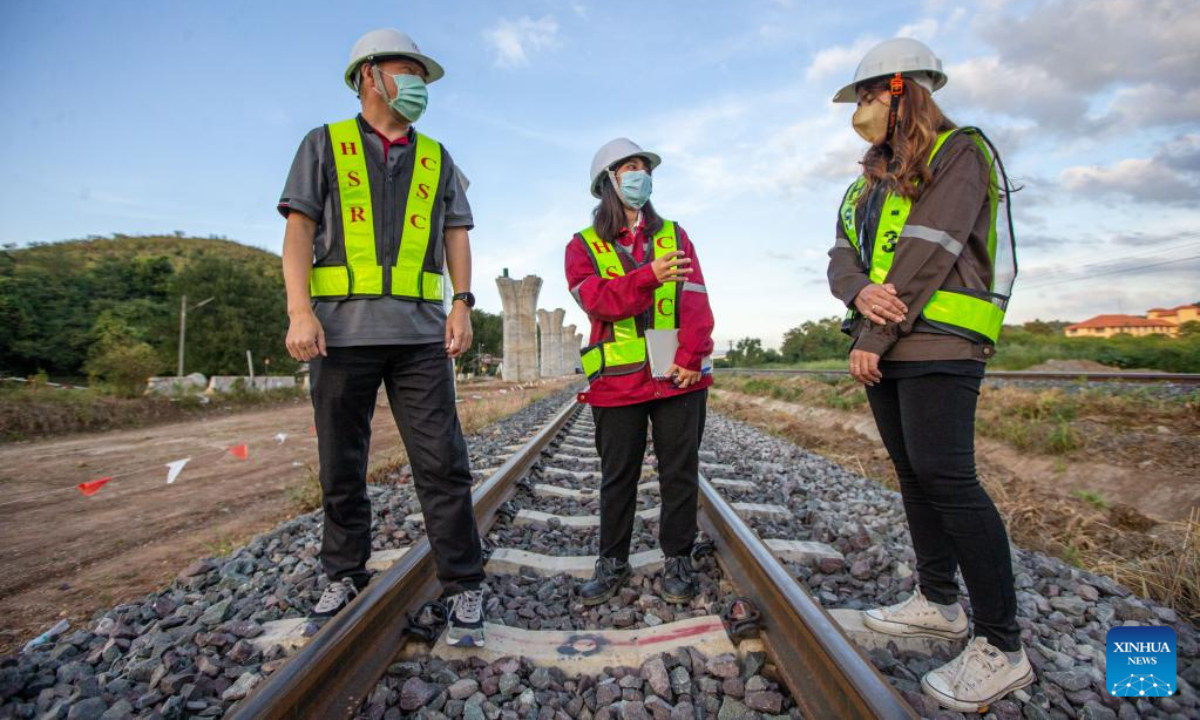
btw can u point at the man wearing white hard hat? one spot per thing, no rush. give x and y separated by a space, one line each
924 259
376 211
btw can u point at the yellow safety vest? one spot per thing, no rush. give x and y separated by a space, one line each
975 314
626 352
361 275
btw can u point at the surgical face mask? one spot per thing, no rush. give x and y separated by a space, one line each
635 187
870 121
412 95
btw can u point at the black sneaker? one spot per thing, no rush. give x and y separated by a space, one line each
679 580
337 595
610 575
466 619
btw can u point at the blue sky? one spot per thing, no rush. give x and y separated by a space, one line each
153 117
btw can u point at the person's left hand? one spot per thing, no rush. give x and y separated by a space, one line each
864 367
458 330
682 377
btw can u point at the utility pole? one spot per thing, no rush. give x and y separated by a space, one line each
183 308
250 364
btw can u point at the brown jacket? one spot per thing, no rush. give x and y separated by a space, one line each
954 202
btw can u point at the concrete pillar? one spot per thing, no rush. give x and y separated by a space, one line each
556 343
575 348
550 324
519 298
565 358
543 322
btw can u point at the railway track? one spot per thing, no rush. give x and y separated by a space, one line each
1132 377
543 494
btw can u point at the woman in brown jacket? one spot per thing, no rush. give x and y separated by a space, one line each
924 261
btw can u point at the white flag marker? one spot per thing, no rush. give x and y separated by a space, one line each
174 468
280 438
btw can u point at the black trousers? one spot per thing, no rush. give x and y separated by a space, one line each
928 426
677 426
420 388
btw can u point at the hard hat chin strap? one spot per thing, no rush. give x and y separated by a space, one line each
895 89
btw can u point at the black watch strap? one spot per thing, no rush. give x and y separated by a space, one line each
466 297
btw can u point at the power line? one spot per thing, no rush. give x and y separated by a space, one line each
1119 258
1115 271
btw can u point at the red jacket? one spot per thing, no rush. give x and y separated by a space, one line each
607 300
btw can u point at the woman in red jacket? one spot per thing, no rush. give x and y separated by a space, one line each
637 275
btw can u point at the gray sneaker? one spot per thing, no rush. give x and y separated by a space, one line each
466 619
337 595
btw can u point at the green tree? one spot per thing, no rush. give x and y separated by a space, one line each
815 340
249 312
118 357
747 352
489 340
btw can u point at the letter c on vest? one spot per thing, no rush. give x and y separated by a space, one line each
412 220
664 310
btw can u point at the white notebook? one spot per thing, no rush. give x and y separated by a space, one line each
661 345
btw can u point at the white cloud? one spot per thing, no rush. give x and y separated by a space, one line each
1091 44
925 30
839 59
1016 91
514 40
1155 105
1143 180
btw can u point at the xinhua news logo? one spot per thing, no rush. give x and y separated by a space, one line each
1140 661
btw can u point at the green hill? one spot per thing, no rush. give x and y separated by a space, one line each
65 306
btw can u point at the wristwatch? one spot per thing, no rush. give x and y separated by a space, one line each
466 297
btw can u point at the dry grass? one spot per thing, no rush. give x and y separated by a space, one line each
1160 560
27 414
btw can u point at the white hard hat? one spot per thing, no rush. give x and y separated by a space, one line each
614 151
911 58
388 42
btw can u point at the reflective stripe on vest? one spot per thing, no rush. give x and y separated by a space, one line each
978 318
626 352
362 275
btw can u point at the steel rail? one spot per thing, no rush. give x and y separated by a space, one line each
331 675
826 673
1143 377
823 670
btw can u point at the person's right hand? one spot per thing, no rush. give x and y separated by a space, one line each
879 304
305 337
671 267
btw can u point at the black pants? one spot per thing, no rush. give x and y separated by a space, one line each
677 425
420 387
928 426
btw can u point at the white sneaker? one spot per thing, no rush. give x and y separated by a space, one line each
978 677
466 620
916 616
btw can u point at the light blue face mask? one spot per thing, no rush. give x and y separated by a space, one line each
635 188
412 95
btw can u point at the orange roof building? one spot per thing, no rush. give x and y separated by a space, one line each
1159 321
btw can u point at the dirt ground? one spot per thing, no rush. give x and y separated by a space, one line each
1169 492
65 555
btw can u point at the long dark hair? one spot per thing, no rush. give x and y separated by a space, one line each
609 216
905 157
